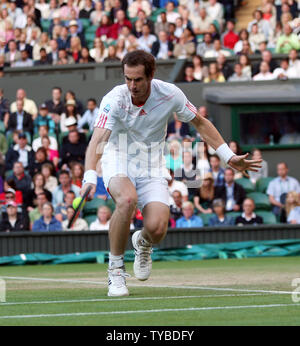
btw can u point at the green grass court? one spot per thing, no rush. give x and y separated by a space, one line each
255 291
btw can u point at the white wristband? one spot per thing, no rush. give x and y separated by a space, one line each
90 177
224 152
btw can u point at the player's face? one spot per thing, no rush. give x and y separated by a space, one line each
138 84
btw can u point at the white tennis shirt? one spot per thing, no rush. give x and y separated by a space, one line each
138 133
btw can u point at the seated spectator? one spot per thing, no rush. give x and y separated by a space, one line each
29 105
71 124
248 216
292 207
25 61
111 54
231 193
47 222
287 41
43 131
187 172
43 60
162 24
99 52
189 219
266 57
206 45
176 185
48 173
11 193
216 170
43 43
186 47
60 210
79 225
63 39
204 196
220 218
146 40
85 56
216 11
36 213
177 129
53 55
121 21
162 48
265 73
104 30
256 37
38 187
230 37
19 152
41 157
4 105
217 49
96 15
20 120
201 156
214 74
243 36
280 186
174 158
246 48
64 186
285 72
201 22
294 62
77 171
170 12
89 116
70 112
200 71
14 221
64 58
138 5
189 74
224 67
121 48
73 149
103 219
261 172
75 49
176 207
87 10
246 65
74 33
13 55
263 25
238 75
55 106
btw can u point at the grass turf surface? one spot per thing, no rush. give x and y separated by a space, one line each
192 293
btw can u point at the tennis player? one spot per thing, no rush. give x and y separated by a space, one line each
129 136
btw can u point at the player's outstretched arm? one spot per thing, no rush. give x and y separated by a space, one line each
213 138
93 155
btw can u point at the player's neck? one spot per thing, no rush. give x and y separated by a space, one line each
139 102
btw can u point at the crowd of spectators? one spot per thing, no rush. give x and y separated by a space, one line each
42 151
62 32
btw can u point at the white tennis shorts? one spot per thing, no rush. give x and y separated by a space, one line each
149 189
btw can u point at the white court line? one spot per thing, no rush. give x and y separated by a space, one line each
207 288
149 311
129 299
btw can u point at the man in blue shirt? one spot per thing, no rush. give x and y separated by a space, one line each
89 115
189 219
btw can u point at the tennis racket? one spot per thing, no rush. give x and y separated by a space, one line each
79 208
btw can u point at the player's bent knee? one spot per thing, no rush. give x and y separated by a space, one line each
157 231
126 204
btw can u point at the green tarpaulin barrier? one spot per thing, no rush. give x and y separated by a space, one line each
270 248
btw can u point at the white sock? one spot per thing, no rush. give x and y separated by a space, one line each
115 261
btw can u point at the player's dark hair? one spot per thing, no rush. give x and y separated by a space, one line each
140 57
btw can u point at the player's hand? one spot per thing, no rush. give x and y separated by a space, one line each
92 192
241 163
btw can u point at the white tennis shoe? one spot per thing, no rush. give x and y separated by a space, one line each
117 283
142 262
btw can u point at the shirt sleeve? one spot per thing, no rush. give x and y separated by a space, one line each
106 114
185 110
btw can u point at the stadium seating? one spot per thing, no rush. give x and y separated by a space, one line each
261 200
205 218
262 184
2 127
247 184
268 217
90 218
92 206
